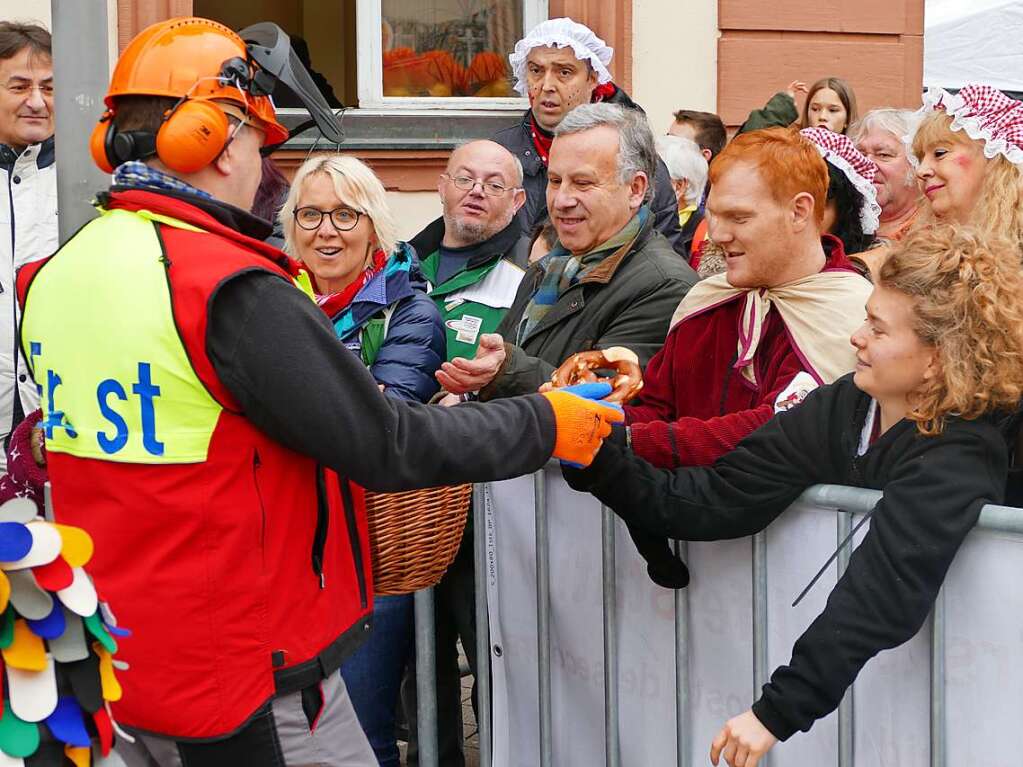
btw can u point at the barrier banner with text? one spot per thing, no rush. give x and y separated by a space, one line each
891 698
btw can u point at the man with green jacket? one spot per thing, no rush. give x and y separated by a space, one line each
473 258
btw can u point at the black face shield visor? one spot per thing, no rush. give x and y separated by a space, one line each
270 50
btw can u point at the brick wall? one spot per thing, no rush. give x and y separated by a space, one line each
875 45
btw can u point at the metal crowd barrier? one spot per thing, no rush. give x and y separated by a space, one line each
845 501
426 653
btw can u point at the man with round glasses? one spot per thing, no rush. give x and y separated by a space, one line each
475 255
474 258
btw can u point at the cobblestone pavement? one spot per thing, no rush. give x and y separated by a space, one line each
472 741
472 738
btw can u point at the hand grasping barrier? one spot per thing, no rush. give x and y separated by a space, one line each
582 367
57 641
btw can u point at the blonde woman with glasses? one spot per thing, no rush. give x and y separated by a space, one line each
337 223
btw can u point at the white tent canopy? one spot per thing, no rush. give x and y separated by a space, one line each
974 41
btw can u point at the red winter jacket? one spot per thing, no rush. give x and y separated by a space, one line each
243 577
695 406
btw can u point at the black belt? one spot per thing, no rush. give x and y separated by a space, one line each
310 672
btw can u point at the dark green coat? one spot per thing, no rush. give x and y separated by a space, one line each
474 301
779 112
627 301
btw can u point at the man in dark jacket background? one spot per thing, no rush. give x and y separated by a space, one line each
560 65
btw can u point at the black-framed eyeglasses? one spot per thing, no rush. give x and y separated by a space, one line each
343 219
467 183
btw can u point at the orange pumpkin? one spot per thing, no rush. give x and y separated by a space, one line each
487 67
433 73
445 69
499 89
393 56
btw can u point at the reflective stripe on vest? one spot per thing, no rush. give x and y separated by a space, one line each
130 395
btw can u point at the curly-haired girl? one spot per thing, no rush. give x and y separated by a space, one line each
939 365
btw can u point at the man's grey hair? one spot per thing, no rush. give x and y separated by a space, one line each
635 139
685 161
899 122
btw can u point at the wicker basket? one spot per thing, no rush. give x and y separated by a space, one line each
413 536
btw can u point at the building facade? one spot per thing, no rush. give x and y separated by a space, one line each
419 76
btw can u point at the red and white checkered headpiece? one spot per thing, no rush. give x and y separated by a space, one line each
986 115
857 167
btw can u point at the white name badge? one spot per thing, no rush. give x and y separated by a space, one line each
467 329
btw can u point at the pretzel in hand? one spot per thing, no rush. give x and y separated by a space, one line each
582 367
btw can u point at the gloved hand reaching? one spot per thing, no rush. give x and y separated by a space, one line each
663 565
582 421
595 390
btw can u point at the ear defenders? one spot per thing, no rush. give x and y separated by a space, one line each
193 134
100 142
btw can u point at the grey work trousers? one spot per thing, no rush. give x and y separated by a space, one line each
284 738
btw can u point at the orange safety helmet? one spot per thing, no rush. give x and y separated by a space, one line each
200 63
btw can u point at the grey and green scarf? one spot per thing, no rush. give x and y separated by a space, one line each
562 270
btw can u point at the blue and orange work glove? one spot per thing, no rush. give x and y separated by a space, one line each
582 421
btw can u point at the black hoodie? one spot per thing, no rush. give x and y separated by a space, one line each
934 489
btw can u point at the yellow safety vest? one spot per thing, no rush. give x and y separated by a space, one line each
116 385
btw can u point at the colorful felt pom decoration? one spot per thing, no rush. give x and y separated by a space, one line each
54 636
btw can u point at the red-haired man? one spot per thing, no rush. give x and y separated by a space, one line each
756 339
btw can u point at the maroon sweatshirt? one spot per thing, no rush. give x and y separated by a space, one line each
695 406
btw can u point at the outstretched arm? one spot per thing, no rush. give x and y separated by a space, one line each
740 495
779 111
277 354
640 327
930 504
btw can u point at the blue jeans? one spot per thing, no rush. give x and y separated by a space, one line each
373 673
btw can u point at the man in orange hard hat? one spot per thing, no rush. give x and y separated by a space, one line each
207 429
